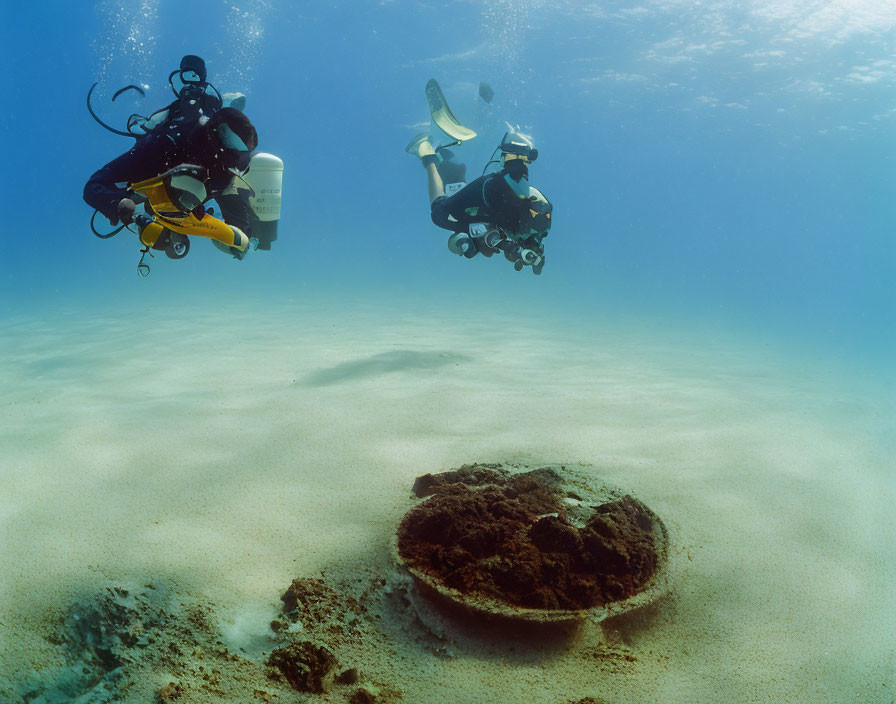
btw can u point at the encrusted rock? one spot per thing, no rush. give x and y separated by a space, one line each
313 602
516 538
349 676
469 474
308 667
368 694
374 694
170 692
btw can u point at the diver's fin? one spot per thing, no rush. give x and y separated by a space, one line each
442 115
420 146
415 143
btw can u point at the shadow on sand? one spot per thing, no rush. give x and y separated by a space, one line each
382 363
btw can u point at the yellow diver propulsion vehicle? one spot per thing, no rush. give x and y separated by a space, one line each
174 211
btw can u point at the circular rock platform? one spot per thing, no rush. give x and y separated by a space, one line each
553 544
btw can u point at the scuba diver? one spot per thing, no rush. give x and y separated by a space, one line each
219 144
185 154
497 212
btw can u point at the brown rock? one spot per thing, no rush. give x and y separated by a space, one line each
553 534
306 666
469 474
315 602
507 537
170 692
349 676
368 694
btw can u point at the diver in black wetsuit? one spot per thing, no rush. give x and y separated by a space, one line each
497 211
222 144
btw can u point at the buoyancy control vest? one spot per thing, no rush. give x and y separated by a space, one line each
178 118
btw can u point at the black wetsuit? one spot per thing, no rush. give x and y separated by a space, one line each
489 199
154 154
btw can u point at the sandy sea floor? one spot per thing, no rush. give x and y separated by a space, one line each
225 455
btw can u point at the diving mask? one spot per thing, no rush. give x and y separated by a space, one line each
515 157
516 145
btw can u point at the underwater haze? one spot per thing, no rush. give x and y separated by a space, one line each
714 329
727 162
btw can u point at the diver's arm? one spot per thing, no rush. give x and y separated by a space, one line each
235 210
434 181
145 160
101 193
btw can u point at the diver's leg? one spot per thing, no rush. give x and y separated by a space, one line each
422 148
434 180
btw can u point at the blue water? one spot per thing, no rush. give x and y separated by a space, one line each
715 327
726 166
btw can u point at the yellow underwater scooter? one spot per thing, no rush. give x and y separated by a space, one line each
175 211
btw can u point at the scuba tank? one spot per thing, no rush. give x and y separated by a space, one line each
265 176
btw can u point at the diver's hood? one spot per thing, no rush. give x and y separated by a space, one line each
193 64
193 84
519 144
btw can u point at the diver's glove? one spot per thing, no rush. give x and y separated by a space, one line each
125 211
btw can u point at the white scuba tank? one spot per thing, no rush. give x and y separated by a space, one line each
266 178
